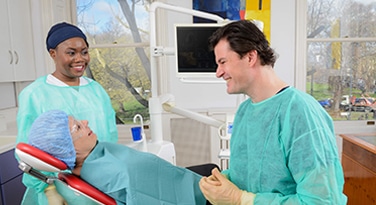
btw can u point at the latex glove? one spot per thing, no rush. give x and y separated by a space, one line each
53 197
217 189
248 198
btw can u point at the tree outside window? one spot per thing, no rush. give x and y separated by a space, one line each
341 48
117 32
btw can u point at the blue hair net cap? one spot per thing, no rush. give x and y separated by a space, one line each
50 133
61 32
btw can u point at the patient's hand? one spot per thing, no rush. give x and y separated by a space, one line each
53 197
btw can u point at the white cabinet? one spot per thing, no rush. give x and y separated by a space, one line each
16 42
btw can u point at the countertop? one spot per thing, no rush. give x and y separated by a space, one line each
8 139
7 143
365 140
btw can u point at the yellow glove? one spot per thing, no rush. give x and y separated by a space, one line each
248 198
53 197
219 190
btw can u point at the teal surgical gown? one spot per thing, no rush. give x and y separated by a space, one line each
86 102
132 177
284 150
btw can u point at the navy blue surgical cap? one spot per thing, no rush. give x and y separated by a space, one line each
61 32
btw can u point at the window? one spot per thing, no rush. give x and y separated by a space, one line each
118 36
340 57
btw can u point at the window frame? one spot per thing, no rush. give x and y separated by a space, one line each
127 45
341 127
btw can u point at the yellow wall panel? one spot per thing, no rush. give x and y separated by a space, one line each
259 10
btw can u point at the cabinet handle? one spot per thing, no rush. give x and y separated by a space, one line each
16 54
11 57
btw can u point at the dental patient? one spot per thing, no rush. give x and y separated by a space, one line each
127 175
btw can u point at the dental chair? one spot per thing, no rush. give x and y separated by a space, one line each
33 161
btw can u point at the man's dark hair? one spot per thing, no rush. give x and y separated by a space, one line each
244 36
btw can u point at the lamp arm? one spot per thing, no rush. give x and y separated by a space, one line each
192 115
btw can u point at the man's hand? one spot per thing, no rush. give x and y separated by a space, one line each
219 190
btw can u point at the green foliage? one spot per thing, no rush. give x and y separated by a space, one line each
126 111
110 67
319 91
322 91
124 102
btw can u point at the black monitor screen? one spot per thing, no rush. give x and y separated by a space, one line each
192 49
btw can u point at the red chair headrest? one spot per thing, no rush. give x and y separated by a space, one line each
23 149
43 161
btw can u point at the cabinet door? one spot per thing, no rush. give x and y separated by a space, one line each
6 52
22 39
13 191
8 166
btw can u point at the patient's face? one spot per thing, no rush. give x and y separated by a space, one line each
84 139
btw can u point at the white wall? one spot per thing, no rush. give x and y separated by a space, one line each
283 28
209 96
